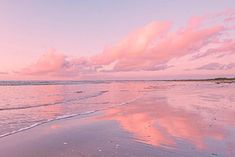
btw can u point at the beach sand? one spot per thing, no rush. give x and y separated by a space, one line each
122 131
75 137
160 123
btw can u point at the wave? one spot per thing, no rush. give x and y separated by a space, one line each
38 83
55 103
49 120
66 117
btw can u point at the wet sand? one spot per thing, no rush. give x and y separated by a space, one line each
176 122
77 137
84 137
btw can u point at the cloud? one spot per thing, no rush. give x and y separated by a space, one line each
230 66
50 62
3 73
53 63
160 67
220 48
217 66
149 48
155 44
211 66
134 45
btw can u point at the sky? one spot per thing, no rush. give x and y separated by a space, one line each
110 39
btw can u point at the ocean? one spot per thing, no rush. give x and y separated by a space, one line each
192 111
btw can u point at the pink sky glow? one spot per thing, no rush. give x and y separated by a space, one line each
203 47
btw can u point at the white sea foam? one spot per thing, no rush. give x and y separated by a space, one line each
47 121
55 103
65 117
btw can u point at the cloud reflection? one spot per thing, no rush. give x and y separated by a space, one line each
153 121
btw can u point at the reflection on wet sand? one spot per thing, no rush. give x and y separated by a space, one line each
141 118
154 121
50 111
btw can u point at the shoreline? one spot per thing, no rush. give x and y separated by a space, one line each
83 136
166 121
93 135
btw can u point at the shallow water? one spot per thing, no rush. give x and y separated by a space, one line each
182 117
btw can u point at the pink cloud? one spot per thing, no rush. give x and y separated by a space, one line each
3 73
48 63
155 44
134 45
217 66
149 48
211 66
